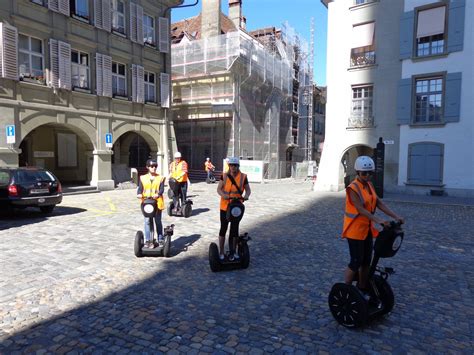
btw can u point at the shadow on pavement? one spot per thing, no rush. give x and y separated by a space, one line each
199 211
183 243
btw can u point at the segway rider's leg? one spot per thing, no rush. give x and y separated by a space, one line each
233 237
159 227
148 231
222 232
184 190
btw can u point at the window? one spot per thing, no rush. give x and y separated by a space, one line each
150 87
118 16
80 8
429 99
30 58
425 163
430 32
39 2
363 47
80 69
119 79
362 101
149 30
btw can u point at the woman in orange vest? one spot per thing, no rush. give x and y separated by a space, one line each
359 219
152 185
227 189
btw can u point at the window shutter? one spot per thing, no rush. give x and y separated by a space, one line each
452 97
140 84
53 77
107 75
404 100
8 52
457 9
164 32
139 24
133 22
64 54
134 83
98 74
425 163
165 89
63 7
53 5
98 14
407 23
102 15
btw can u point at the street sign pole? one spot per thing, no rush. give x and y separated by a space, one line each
379 158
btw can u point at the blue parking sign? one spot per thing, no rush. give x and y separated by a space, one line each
108 140
10 130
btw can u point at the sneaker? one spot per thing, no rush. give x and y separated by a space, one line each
236 256
221 257
148 244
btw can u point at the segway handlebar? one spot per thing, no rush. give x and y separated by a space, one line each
392 225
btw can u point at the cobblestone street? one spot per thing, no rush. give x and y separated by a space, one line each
70 282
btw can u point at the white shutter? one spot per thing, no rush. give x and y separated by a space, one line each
164 34
139 24
64 52
98 74
134 82
107 75
98 14
8 52
53 77
106 16
63 7
140 84
53 5
165 89
133 22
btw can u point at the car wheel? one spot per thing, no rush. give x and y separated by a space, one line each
47 209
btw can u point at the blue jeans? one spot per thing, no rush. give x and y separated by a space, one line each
149 227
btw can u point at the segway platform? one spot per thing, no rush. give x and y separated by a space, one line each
159 250
216 264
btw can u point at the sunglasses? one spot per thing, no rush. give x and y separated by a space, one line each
233 164
365 173
153 166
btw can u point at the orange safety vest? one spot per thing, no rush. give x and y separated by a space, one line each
356 226
177 169
230 190
208 165
151 187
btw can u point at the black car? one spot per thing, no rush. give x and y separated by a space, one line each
29 187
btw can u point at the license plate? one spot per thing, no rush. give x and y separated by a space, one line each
39 191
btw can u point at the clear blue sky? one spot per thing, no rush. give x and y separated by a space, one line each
267 13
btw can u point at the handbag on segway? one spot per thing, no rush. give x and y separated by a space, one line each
347 303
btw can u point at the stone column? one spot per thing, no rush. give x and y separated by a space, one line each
102 170
9 156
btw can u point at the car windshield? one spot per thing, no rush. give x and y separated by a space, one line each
4 178
29 176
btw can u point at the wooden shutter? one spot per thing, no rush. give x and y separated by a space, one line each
164 34
457 9
63 7
407 23
139 24
452 97
64 57
53 76
425 163
404 100
98 14
98 74
8 52
138 83
165 89
133 22
134 82
107 75
53 5
102 15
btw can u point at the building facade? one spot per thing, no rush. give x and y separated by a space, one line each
85 85
405 76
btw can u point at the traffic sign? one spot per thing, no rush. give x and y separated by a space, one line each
108 140
10 130
389 142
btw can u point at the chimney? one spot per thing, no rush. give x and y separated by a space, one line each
210 18
235 12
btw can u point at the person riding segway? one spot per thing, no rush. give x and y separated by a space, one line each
150 191
233 189
178 182
209 168
358 229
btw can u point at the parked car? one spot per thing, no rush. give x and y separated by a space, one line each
29 187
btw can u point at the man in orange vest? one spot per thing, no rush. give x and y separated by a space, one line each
359 220
152 185
179 171
209 167
227 190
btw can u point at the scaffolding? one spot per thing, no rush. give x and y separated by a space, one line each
233 96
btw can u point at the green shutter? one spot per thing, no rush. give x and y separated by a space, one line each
407 22
452 97
404 100
457 9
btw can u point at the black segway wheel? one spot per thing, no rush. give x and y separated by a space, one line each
348 306
188 209
138 245
169 209
167 247
244 254
214 262
170 193
386 294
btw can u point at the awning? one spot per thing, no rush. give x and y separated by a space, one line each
431 22
363 35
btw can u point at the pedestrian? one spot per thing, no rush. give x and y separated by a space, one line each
152 185
233 184
179 171
209 167
359 220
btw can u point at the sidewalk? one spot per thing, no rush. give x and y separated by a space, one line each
425 199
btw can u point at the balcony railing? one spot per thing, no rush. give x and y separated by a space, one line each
360 122
362 59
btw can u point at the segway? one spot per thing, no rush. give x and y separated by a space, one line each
235 212
149 207
184 208
347 303
211 179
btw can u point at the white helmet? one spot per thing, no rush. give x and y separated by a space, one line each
208 159
177 155
364 163
233 160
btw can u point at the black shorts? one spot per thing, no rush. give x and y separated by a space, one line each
361 252
234 226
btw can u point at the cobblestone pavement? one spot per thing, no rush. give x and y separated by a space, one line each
70 283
